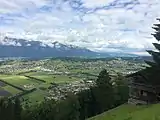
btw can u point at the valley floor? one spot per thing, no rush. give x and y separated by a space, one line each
37 80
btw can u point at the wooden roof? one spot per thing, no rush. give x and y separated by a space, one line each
150 76
148 88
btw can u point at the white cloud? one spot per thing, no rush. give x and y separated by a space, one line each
113 28
141 53
95 3
11 6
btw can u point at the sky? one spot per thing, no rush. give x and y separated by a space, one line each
99 25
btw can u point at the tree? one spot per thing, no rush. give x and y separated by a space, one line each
121 90
87 104
103 79
43 111
3 108
154 66
155 55
7 109
103 93
73 106
18 109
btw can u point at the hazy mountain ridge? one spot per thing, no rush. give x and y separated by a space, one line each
13 47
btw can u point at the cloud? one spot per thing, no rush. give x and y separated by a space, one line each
13 6
95 3
100 25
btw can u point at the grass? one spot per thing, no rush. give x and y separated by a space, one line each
35 73
45 85
55 78
131 112
85 71
41 92
18 80
35 97
52 78
11 89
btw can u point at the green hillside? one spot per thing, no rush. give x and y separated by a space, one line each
131 112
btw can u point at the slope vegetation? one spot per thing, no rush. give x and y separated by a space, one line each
131 112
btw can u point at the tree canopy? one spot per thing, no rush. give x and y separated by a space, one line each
155 54
151 75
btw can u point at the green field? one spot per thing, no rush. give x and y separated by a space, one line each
42 88
131 112
49 78
56 78
35 97
60 71
11 89
18 80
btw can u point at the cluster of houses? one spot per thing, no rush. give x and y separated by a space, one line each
29 86
18 66
59 91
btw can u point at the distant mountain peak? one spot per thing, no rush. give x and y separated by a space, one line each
13 47
56 44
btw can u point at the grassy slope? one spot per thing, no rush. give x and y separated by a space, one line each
131 112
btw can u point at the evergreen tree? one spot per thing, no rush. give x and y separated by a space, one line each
6 109
151 73
87 104
121 90
155 55
103 79
103 93
74 106
3 108
18 109
11 109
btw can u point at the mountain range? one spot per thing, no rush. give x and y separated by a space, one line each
13 47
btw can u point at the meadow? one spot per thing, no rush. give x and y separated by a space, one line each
131 112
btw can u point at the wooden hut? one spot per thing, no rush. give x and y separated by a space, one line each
144 86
